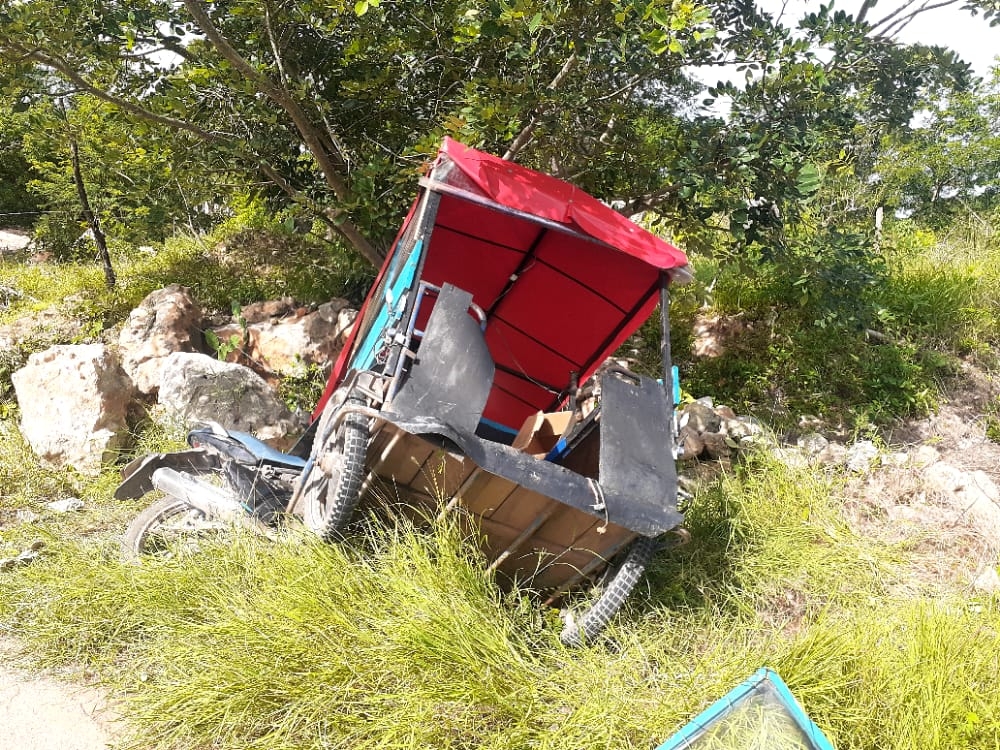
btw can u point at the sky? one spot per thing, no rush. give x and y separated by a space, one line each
972 37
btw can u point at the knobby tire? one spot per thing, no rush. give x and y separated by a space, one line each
329 501
587 628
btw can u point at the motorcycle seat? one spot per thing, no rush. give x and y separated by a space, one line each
265 453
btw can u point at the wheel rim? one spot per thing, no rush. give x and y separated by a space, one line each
184 531
325 473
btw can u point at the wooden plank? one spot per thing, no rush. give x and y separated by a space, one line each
406 459
486 494
567 526
545 568
604 542
520 507
442 474
379 442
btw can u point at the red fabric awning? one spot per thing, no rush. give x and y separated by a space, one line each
547 197
563 278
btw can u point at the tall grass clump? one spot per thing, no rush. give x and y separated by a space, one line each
770 542
399 642
20 477
941 293
908 674
397 638
408 645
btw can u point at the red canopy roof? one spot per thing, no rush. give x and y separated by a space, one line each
563 278
541 195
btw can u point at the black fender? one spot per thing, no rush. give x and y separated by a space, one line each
137 476
451 378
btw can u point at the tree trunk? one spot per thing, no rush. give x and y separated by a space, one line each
90 217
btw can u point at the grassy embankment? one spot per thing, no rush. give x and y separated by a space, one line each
398 639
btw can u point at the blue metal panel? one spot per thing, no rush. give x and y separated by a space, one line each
391 309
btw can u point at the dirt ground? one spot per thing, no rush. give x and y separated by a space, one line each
942 505
42 712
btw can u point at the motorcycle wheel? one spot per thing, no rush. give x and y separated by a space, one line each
332 488
169 527
585 630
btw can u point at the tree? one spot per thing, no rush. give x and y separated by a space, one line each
337 105
949 161
18 207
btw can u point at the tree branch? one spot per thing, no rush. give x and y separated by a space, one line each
647 202
274 45
890 27
83 84
336 222
522 138
330 165
866 6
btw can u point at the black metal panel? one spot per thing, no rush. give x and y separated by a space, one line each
452 375
636 458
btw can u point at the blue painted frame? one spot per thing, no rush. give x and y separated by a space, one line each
399 288
693 729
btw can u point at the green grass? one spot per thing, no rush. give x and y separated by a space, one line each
398 639
235 265
932 302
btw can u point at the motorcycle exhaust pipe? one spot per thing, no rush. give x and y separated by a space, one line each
211 500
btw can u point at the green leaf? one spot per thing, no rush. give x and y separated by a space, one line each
361 7
809 180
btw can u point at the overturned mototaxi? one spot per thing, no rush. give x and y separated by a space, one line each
458 388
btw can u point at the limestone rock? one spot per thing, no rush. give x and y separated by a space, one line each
74 401
702 417
717 445
49 326
971 496
726 412
741 428
166 321
260 312
925 455
198 388
289 345
691 443
987 581
812 443
860 456
791 457
834 454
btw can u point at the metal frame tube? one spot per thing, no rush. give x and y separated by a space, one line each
668 372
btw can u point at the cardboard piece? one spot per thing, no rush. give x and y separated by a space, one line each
540 432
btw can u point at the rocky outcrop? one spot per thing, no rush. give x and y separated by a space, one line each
197 388
49 326
279 338
74 401
710 432
973 493
166 321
